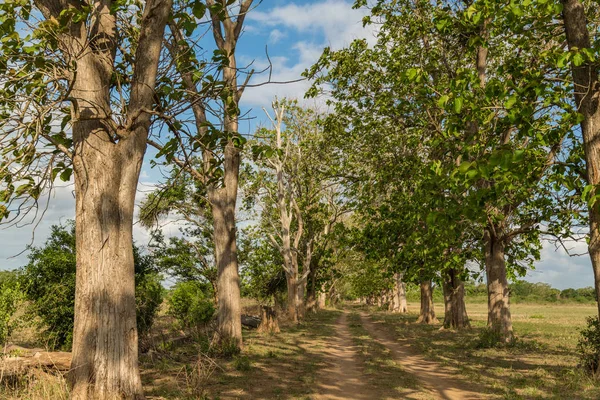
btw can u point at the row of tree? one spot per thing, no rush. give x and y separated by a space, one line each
452 140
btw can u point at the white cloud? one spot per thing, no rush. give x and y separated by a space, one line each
335 19
317 25
561 270
276 35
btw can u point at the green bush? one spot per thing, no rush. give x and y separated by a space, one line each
48 281
488 338
190 304
10 297
588 347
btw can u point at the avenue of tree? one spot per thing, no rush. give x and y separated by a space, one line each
453 146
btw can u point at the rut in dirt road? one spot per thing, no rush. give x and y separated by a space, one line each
441 380
342 378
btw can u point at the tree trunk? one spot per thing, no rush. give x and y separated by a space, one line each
399 295
268 322
228 282
427 314
311 295
321 299
300 300
455 315
106 168
292 290
499 319
105 342
587 97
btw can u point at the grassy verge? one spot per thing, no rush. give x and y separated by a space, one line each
280 366
541 365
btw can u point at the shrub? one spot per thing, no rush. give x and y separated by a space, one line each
588 347
10 296
190 304
148 298
488 338
48 281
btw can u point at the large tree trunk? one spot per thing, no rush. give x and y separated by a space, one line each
427 314
499 319
223 202
105 342
399 295
107 165
455 315
587 97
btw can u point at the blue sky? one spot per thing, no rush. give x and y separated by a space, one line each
295 33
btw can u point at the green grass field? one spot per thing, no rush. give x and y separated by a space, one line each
541 365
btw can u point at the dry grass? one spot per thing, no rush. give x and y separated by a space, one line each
35 385
277 366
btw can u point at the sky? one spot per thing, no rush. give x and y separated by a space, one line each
294 33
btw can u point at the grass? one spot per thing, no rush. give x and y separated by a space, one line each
279 366
541 365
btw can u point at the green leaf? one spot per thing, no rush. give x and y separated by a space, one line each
508 104
443 100
458 103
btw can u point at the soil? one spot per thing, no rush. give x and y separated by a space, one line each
343 378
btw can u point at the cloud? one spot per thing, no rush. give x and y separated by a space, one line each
308 28
561 270
336 20
61 208
276 35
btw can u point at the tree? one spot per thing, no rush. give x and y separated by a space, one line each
585 70
88 98
207 150
467 129
300 203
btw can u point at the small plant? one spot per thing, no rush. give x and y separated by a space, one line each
224 348
242 363
588 347
488 338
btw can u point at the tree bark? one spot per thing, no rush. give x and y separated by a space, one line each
427 314
228 282
106 166
311 295
455 315
292 290
321 300
300 299
587 98
499 318
399 295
